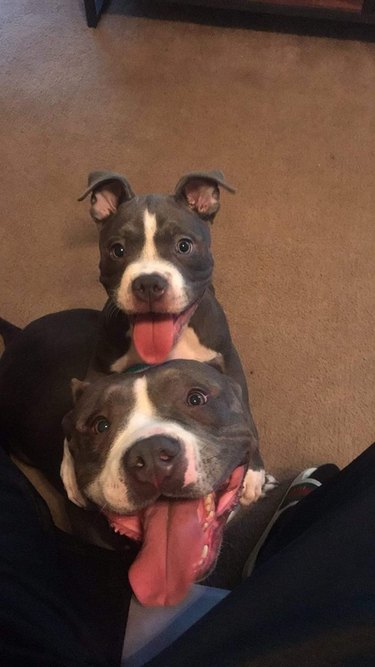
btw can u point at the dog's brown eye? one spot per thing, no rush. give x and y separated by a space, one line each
184 246
196 397
101 424
117 251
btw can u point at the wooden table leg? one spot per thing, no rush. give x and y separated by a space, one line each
94 10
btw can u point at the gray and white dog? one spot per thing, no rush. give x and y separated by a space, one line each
161 452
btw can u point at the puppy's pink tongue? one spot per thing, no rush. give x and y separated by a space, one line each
153 337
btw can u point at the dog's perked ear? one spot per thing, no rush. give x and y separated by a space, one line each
78 387
217 363
108 190
200 191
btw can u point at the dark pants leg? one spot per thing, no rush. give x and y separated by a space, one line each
311 601
61 602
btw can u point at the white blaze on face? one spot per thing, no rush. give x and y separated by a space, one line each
149 261
110 487
149 251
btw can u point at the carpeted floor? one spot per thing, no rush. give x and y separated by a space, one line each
291 121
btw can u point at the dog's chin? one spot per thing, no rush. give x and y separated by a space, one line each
180 540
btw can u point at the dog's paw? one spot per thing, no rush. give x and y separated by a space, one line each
270 483
252 488
257 483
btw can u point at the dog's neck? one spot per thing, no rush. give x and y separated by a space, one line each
188 346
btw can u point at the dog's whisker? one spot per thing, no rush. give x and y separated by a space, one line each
113 311
103 507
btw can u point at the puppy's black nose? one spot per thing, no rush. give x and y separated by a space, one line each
149 287
156 460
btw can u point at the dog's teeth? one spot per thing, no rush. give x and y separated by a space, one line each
203 556
211 514
205 525
208 502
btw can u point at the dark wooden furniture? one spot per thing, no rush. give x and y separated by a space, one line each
359 11
93 9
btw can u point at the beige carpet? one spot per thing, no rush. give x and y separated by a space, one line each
291 121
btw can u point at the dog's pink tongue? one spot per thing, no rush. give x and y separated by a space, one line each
173 543
153 337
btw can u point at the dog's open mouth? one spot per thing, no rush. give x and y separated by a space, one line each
155 334
180 541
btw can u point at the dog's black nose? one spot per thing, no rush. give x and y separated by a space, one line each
156 460
149 287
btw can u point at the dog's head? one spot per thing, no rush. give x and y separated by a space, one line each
155 255
162 453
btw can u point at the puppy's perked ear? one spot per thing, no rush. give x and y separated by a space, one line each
108 190
200 191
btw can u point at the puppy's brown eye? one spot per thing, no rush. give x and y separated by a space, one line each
184 246
117 251
196 397
101 424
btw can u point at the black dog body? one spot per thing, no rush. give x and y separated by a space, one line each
36 370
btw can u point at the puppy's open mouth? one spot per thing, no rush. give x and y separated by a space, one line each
180 541
155 334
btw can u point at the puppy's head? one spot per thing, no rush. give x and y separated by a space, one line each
163 454
155 254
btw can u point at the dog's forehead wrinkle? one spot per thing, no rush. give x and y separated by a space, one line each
170 214
153 202
133 206
165 206
190 372
184 383
115 397
116 392
128 218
